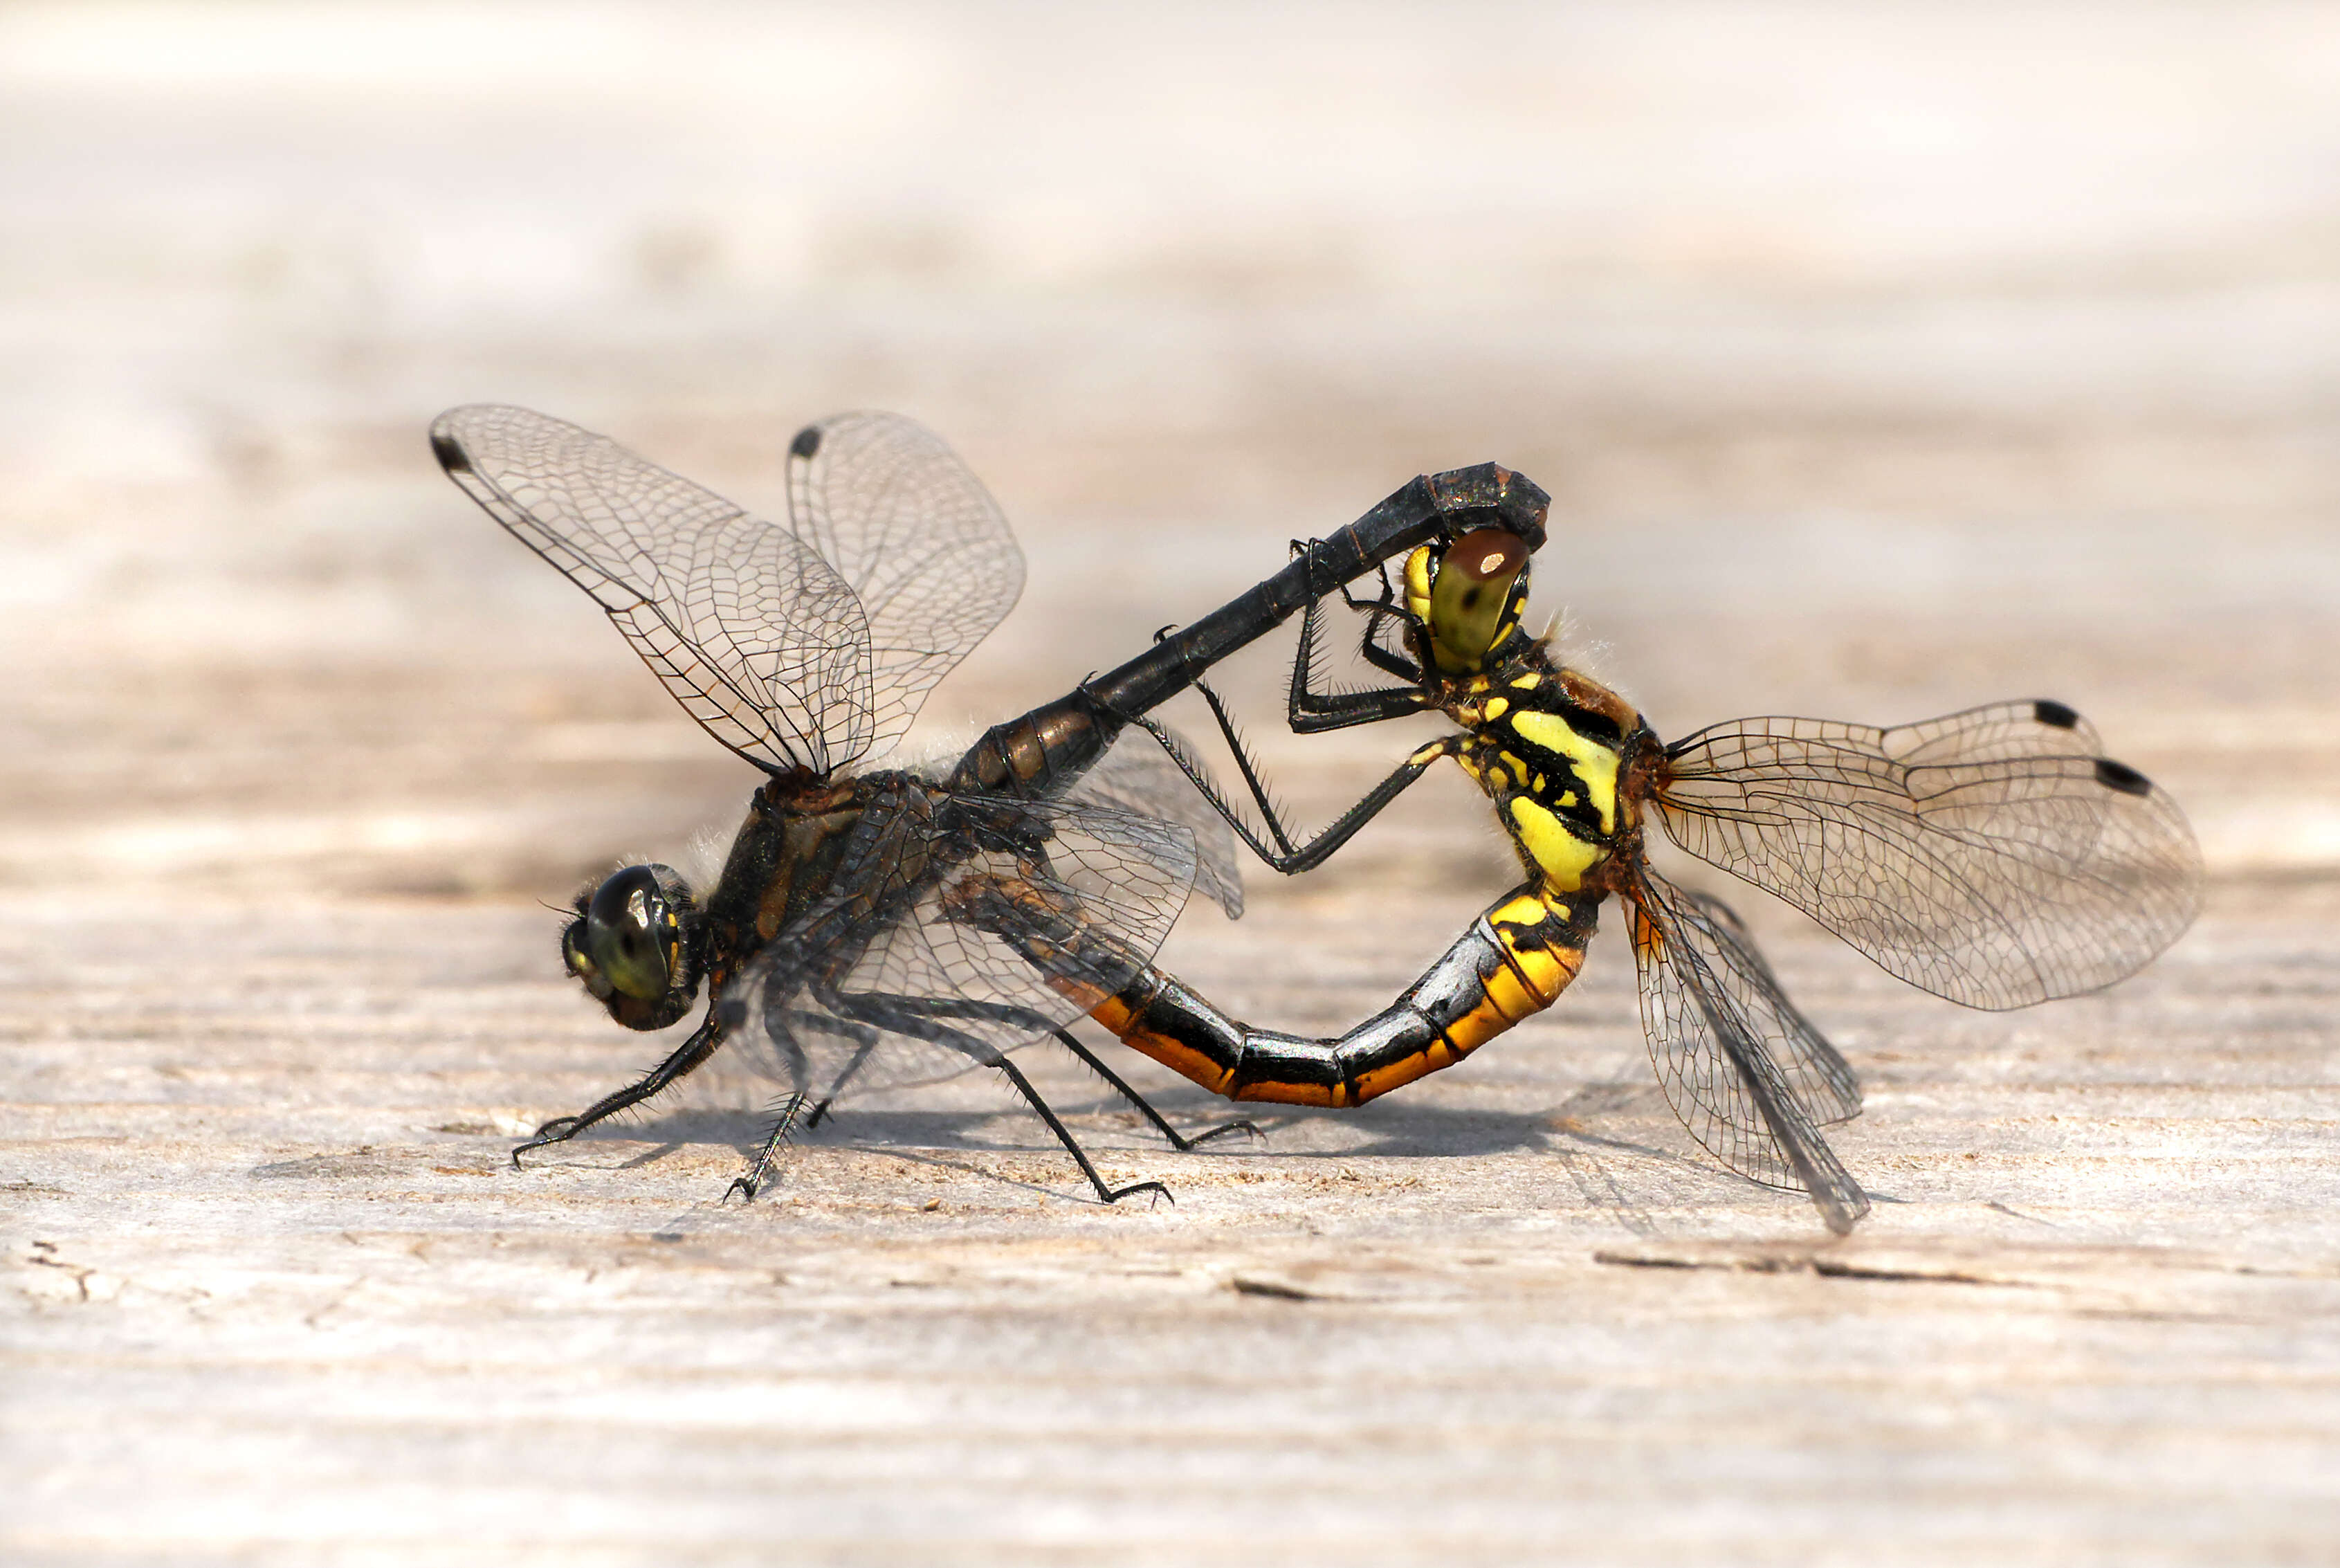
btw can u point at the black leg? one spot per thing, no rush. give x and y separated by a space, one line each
784 1122
1285 856
1023 1018
932 1007
1178 1140
1311 712
1376 612
1207 787
685 1058
915 1017
793 1018
1063 1135
860 1059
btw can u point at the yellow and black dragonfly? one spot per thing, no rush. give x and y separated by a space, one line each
831 944
1993 856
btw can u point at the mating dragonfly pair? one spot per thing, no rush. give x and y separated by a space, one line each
872 929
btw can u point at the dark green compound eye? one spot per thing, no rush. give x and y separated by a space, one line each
634 946
632 934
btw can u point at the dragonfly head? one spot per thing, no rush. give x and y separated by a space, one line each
635 945
1469 597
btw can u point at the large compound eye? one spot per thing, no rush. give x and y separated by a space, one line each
636 944
1471 597
632 933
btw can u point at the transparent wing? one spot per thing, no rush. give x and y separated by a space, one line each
1137 776
917 537
1990 856
908 994
755 634
1824 1082
1746 1072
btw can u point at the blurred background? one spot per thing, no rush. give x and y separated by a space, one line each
1881 359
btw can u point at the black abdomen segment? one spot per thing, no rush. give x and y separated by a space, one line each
1512 962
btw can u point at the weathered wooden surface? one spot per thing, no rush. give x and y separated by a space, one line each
1879 367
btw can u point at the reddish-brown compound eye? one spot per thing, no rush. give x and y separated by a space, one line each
1471 595
1487 555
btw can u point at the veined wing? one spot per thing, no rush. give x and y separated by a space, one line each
1990 856
1137 776
754 633
1824 1082
925 994
1746 1072
917 537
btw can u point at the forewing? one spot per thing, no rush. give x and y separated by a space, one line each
1990 856
1746 1072
1137 776
754 633
931 997
919 538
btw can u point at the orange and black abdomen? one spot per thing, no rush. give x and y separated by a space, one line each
1512 962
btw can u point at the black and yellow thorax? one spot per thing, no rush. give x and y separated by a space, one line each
1547 744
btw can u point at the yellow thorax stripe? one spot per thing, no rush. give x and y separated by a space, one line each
1595 764
1558 854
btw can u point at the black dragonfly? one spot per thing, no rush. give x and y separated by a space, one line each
833 943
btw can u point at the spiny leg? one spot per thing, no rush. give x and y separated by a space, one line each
681 1061
912 1015
1023 1018
1376 610
1063 1135
860 1059
790 1019
1037 1023
1384 658
784 1122
852 1068
1311 712
1178 1140
1285 856
793 1114
868 1038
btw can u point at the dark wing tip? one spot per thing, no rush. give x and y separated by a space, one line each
450 452
2120 776
807 441
2048 711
